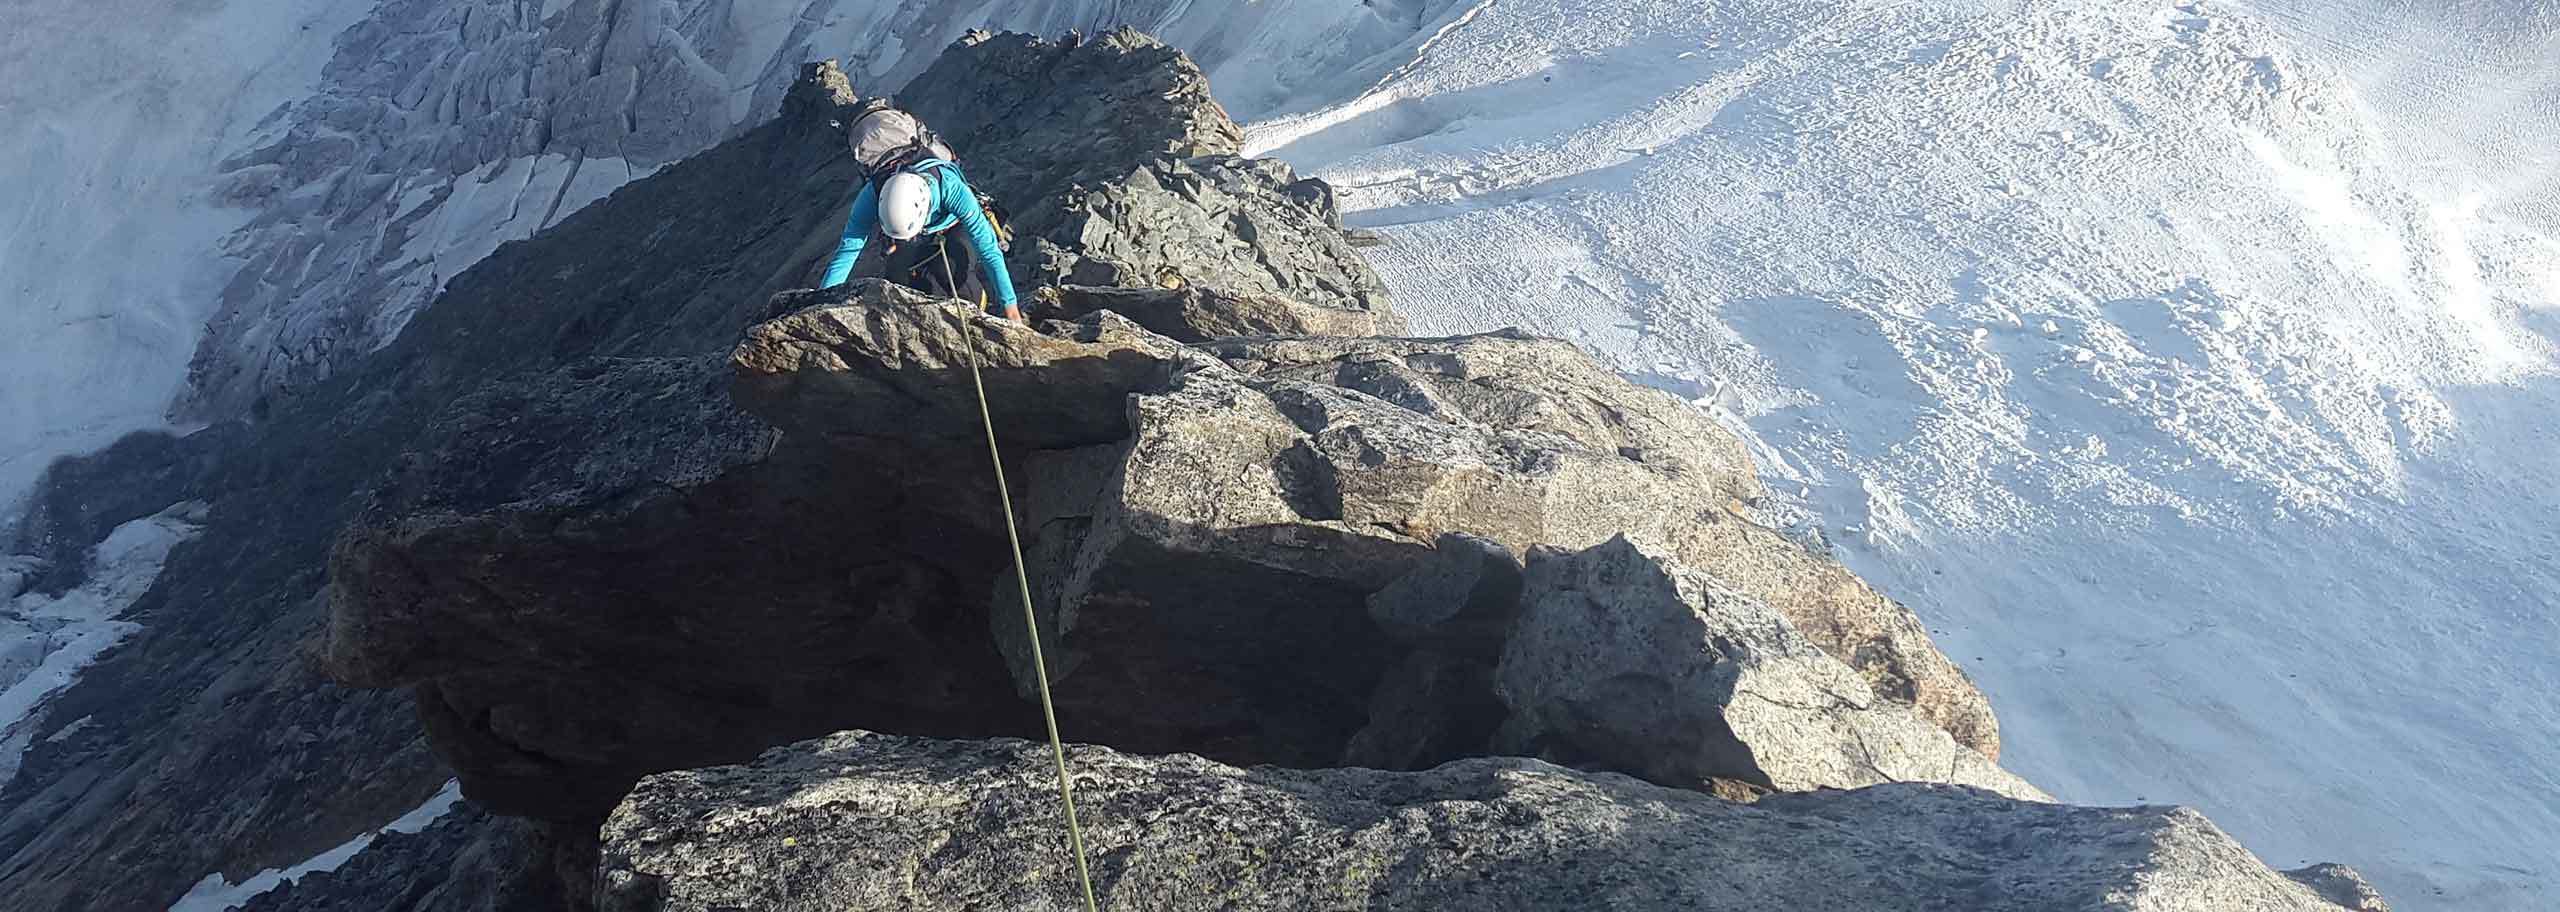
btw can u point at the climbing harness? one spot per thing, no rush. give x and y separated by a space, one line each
1030 619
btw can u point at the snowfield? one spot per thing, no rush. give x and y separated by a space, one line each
2189 366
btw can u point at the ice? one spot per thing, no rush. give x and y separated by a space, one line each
2198 393
215 894
113 115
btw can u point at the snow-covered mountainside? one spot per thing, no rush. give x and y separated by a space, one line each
2188 366
2133 343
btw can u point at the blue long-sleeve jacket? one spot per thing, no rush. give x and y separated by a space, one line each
954 204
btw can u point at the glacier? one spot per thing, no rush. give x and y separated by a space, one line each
2188 365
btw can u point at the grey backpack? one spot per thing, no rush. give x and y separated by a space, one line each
885 139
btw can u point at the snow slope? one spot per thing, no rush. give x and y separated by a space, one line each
2207 416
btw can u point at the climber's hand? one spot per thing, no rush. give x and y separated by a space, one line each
1014 313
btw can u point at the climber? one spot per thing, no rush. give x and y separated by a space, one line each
914 194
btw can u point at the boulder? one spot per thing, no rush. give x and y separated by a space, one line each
1627 660
1245 228
865 821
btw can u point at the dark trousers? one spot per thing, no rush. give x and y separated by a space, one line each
938 263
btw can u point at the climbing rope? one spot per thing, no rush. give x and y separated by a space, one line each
1022 578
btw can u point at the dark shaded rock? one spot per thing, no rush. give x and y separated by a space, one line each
607 570
1629 661
79 500
1244 228
1429 708
1463 600
822 94
976 826
470 861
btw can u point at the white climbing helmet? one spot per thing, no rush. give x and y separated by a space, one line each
906 199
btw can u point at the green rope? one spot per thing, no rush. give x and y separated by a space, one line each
1022 578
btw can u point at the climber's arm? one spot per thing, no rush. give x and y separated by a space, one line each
983 245
857 232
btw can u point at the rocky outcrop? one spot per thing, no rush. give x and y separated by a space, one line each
2340 885
1627 658
1256 550
1032 118
1640 463
863 821
1247 229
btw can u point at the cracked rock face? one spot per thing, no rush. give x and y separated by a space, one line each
1628 660
864 821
